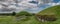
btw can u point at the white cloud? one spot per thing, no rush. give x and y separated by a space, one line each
27 4
52 4
0 6
33 10
58 3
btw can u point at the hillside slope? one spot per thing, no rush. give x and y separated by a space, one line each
50 10
54 10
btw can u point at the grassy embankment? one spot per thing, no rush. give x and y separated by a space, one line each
55 10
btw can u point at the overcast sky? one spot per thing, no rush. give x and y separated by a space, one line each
32 6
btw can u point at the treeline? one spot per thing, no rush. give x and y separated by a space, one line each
13 13
22 13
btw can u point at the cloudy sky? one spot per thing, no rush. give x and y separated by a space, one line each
32 6
43 4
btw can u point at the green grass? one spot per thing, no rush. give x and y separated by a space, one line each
6 20
9 20
50 10
29 20
55 10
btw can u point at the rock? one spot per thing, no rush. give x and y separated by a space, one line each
44 18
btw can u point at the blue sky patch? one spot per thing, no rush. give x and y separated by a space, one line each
56 1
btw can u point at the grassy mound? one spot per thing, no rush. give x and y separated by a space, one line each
23 13
54 10
50 11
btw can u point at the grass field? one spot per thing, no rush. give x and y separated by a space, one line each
32 19
6 20
29 20
11 20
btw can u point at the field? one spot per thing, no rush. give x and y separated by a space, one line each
32 19
11 20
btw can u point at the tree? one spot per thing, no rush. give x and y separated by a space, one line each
13 13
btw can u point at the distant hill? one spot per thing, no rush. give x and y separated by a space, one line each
51 10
